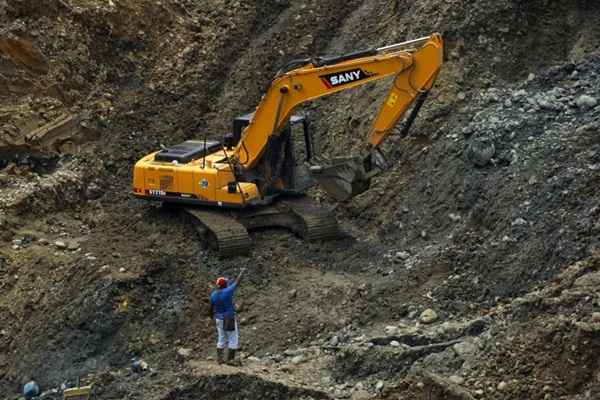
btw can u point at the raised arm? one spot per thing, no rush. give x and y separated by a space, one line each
239 277
415 63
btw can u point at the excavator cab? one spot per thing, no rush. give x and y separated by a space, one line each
288 154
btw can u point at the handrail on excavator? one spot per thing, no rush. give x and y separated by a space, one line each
323 61
403 45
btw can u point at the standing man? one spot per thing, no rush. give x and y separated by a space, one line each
221 301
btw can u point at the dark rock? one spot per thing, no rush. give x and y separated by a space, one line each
480 152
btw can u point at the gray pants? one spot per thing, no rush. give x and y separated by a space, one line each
231 337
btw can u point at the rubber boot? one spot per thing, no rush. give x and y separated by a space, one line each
231 360
220 354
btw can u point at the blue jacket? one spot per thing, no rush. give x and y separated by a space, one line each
222 301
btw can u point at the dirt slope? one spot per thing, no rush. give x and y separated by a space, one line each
488 216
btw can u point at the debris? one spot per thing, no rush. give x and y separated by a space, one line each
454 217
519 94
359 339
391 329
465 348
360 394
298 359
184 352
94 190
449 389
428 316
590 280
334 341
60 244
72 245
586 102
296 352
23 52
519 222
78 393
139 365
63 134
547 388
481 151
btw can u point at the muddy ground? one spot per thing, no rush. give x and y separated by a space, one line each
488 218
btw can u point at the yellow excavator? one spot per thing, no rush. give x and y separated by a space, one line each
229 186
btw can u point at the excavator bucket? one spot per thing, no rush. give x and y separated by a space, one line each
342 178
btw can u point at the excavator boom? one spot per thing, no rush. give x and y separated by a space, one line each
415 63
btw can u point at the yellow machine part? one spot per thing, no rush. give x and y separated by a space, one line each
198 181
78 393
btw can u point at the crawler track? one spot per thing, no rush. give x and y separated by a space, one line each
314 223
223 233
227 231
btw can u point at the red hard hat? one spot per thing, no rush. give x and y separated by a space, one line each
221 282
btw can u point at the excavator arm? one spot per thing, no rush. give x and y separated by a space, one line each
414 64
409 84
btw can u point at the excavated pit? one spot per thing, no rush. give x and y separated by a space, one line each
240 386
489 212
